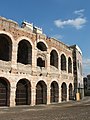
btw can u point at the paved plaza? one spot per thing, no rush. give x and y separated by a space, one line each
64 111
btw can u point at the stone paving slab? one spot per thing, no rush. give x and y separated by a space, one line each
64 111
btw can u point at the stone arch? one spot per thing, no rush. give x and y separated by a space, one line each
69 65
63 92
70 91
25 38
54 91
42 41
54 58
23 92
63 62
24 55
41 92
40 62
4 92
5 47
41 46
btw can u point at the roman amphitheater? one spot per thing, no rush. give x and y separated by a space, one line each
34 69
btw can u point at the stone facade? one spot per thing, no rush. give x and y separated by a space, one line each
77 68
34 69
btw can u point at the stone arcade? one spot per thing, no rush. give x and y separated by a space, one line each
34 69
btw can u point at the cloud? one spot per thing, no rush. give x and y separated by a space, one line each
86 62
57 36
86 66
77 23
79 12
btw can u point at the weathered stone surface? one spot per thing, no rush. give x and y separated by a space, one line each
13 70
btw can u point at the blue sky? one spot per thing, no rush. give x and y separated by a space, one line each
66 20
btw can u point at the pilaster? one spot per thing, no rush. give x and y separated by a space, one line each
48 95
59 94
12 95
14 55
33 96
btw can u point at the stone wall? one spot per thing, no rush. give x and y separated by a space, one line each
13 71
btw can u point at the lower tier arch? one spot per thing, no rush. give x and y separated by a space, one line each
23 92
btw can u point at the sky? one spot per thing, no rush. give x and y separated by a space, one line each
65 20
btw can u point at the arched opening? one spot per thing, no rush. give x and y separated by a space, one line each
40 62
64 92
23 92
63 62
41 93
54 92
54 58
70 92
69 65
24 52
4 92
5 47
41 46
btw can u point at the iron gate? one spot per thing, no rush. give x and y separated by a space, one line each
64 96
70 92
64 92
3 93
54 92
22 93
41 94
